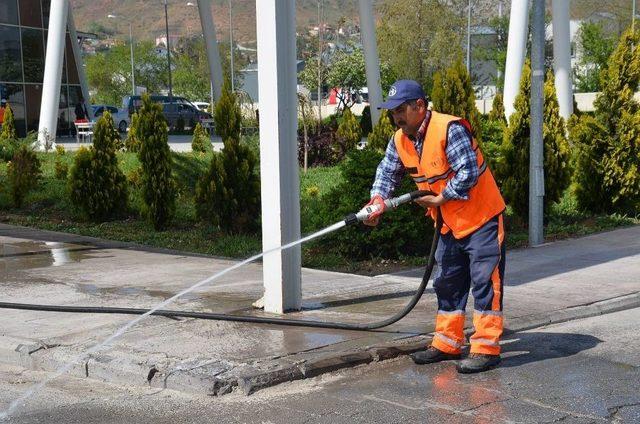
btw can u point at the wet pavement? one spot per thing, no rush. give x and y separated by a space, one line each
554 283
585 371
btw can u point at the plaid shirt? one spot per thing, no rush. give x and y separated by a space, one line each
460 155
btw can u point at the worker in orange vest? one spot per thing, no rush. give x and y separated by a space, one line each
440 154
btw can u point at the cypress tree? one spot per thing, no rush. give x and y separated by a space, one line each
200 141
8 125
158 188
497 109
453 94
381 134
227 115
349 133
132 143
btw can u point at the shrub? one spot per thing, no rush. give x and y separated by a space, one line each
97 186
453 94
320 149
158 188
23 173
61 169
8 126
497 109
228 194
607 152
227 115
405 231
349 134
200 141
514 166
132 143
492 135
365 121
381 133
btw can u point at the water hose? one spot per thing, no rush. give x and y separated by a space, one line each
350 219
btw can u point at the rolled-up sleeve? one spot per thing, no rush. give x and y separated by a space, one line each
463 162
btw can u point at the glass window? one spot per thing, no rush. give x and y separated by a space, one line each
63 112
46 6
8 12
75 99
30 13
14 95
34 97
10 65
72 70
33 54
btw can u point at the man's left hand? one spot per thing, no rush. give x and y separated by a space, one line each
430 201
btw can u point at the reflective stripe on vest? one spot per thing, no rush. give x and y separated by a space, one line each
431 171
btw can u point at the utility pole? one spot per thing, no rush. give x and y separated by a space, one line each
231 45
469 38
166 26
320 12
536 153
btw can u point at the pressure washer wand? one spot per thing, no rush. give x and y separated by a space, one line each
392 203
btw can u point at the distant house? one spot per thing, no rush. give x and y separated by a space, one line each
249 82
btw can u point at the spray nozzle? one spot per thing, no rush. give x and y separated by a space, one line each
392 203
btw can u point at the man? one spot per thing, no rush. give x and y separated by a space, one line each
81 111
440 154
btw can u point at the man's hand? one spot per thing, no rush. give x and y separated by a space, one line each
430 201
374 218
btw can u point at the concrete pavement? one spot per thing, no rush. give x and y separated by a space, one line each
553 283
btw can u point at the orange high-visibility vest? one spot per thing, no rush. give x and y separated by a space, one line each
432 171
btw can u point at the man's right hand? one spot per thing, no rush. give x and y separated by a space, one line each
374 218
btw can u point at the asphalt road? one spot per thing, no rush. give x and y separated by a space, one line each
579 372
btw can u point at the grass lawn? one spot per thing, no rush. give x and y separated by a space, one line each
48 207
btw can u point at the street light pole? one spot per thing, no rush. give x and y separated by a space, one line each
133 71
231 44
469 38
166 25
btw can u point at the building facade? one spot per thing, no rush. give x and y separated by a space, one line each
23 39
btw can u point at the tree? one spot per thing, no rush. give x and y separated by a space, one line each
416 38
381 134
607 151
227 115
596 49
497 109
496 53
96 185
109 72
8 126
158 188
191 74
514 163
349 133
200 141
347 72
23 173
453 94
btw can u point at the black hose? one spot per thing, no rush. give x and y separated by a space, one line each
260 320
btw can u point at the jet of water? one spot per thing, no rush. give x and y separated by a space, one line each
99 347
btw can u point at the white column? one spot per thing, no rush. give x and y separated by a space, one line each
77 54
211 43
276 31
516 50
53 70
372 63
562 56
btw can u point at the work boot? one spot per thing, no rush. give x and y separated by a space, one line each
432 355
477 362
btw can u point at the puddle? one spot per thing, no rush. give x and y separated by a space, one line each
19 256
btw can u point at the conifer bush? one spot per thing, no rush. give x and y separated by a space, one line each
200 141
228 194
365 121
513 169
132 142
61 169
227 114
8 131
97 186
607 151
497 109
349 133
158 187
23 172
381 133
453 94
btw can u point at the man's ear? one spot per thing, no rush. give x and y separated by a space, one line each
421 103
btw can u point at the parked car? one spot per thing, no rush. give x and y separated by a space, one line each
202 106
173 109
120 116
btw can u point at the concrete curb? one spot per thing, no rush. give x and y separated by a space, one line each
217 378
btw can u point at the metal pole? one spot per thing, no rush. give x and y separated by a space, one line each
166 26
469 38
133 71
211 43
562 57
231 45
371 61
516 50
536 164
320 8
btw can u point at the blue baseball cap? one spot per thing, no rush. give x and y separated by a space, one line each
402 91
